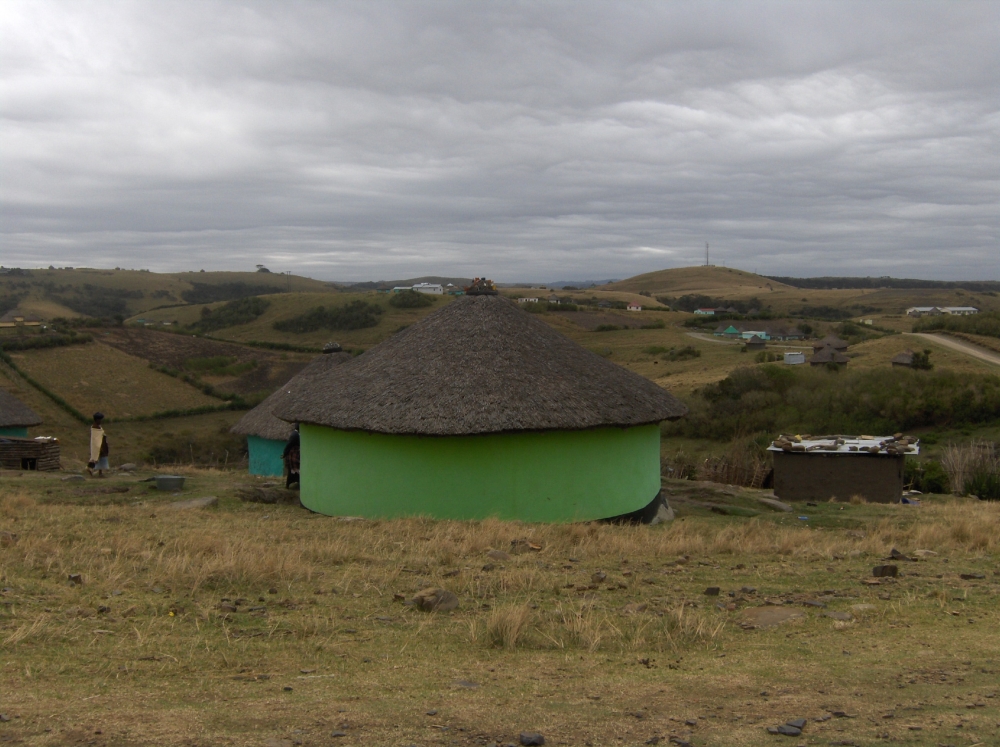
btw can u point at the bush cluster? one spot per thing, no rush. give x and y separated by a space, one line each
410 299
986 324
355 315
772 398
242 311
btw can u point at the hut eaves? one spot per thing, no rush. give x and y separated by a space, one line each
14 413
828 355
262 423
479 365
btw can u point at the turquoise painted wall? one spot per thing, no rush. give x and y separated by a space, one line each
20 432
550 476
265 456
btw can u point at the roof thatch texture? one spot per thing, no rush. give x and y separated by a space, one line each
830 341
903 359
14 413
261 423
478 365
828 354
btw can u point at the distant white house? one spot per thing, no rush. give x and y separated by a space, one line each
401 288
634 307
705 312
755 333
435 289
939 310
960 310
794 359
530 299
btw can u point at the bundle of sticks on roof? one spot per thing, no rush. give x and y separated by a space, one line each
481 287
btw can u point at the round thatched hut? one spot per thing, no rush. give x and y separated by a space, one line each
15 416
266 434
480 410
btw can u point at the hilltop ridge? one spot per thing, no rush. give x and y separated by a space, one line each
701 279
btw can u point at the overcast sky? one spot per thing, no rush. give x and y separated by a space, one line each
524 141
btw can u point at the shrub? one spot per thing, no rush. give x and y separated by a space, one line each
242 311
771 398
682 354
607 328
410 299
927 477
658 324
655 350
985 324
355 315
765 356
212 292
973 469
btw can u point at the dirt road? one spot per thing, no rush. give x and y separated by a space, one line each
961 346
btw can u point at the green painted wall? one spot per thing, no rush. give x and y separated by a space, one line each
265 456
19 432
550 476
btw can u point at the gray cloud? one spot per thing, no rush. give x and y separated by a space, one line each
366 140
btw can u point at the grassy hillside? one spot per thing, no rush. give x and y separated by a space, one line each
92 292
602 635
98 377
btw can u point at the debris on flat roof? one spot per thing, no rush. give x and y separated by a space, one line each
886 445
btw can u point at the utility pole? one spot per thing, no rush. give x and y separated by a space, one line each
706 254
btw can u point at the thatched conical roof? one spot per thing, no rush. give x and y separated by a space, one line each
829 354
830 341
478 365
14 413
261 423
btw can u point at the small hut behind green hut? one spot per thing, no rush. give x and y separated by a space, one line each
15 416
480 410
266 434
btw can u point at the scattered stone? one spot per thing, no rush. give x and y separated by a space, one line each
634 608
451 574
432 712
864 607
814 603
712 591
207 502
466 684
530 738
897 555
128 467
768 617
338 734
498 555
798 723
842 616
7 539
274 742
225 607
489 567
307 671
972 576
287 688
435 600
691 722
519 546
654 740
882 571
598 576
73 478
925 553
4 717
789 731
76 578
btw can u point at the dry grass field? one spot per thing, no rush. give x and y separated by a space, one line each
96 376
251 624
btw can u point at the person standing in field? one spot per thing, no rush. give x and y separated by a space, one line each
291 457
98 447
